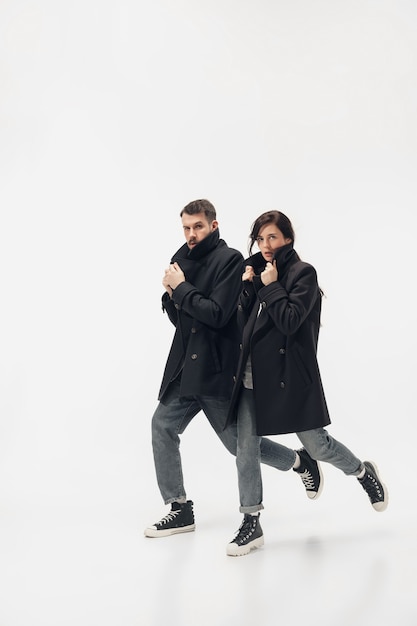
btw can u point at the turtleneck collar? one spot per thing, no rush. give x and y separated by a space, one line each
283 256
201 249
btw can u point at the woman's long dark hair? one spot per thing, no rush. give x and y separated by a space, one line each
280 220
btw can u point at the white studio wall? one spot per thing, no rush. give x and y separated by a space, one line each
113 116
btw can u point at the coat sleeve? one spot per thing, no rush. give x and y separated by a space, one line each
247 298
216 309
289 309
168 306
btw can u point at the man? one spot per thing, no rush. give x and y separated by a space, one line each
202 283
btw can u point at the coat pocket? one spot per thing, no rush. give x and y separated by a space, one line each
215 357
302 369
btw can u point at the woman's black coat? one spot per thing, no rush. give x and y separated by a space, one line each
205 347
282 342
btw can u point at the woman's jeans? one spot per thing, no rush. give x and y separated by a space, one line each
172 416
318 443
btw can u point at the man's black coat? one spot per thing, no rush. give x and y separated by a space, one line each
203 310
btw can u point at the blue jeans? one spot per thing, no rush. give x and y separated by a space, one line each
318 443
172 416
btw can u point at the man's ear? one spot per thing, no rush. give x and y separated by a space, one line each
214 225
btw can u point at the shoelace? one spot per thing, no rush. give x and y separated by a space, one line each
168 518
307 479
372 487
246 529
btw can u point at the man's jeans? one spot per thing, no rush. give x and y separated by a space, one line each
172 416
318 443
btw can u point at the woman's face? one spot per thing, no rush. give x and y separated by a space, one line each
269 239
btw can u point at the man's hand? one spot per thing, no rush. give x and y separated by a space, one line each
166 285
173 277
248 274
270 273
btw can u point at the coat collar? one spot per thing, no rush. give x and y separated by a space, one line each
200 250
284 256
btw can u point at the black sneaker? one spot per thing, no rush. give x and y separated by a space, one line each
249 536
374 487
179 520
310 473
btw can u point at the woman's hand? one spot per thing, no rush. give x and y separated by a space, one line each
270 273
248 274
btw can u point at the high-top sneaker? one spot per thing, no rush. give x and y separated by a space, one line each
310 473
374 487
249 536
180 519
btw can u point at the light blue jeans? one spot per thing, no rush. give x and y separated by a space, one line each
318 443
172 416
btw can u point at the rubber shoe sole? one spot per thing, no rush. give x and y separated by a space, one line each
154 532
234 550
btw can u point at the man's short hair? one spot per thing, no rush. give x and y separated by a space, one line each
200 206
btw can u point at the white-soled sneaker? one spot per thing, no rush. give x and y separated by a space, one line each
374 487
180 519
249 536
310 473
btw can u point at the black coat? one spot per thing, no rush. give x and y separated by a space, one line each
282 342
205 347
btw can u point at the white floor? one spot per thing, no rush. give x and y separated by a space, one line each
78 555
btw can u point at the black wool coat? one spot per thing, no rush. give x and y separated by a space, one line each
205 347
280 327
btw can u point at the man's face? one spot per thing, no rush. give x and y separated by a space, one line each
196 228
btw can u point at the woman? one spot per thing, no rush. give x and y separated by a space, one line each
278 386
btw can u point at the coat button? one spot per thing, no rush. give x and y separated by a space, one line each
240 347
193 330
239 307
282 350
193 356
282 384
177 306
